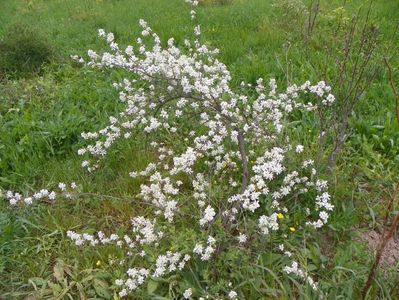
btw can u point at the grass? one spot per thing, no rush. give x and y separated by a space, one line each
41 117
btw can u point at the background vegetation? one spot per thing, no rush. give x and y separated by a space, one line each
46 101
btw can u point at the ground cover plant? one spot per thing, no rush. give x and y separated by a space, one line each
229 196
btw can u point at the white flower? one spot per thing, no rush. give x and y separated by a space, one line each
118 282
232 295
209 214
299 149
187 293
242 238
123 293
62 186
28 200
52 195
268 223
192 2
197 30
205 252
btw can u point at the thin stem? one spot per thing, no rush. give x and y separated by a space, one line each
244 159
394 91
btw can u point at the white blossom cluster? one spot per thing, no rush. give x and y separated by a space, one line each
192 2
41 195
268 223
205 252
188 293
209 214
296 270
169 263
136 277
232 295
165 264
85 238
145 231
161 192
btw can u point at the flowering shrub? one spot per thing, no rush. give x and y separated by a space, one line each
226 184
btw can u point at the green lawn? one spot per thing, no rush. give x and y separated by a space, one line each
42 116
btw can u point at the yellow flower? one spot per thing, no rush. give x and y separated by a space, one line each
280 216
292 229
98 263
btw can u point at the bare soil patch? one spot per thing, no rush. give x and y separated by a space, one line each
390 256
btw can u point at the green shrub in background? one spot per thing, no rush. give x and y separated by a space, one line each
23 51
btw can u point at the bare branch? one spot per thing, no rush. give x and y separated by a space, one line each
244 159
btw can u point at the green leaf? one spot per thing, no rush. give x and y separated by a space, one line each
59 271
102 289
152 286
56 288
81 290
37 281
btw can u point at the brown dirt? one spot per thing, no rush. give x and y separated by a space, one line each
390 256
